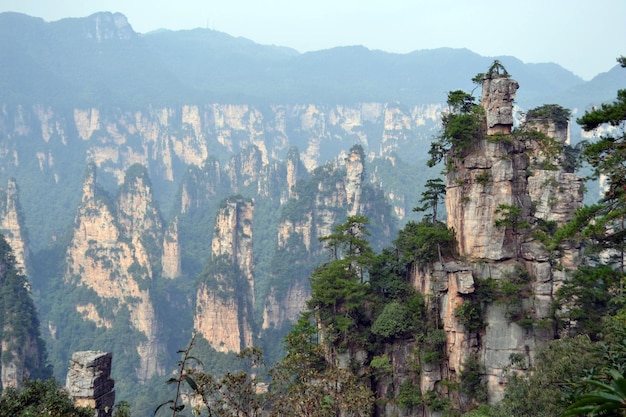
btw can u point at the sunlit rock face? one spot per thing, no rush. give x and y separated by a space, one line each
504 170
224 300
107 253
12 226
498 95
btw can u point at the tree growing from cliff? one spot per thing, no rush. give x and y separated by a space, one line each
511 218
606 221
434 193
338 287
602 226
462 125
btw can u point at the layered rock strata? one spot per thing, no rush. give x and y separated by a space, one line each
224 299
108 254
504 187
89 381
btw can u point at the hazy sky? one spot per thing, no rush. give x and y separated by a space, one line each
583 36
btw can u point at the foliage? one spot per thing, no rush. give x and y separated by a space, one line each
410 395
512 219
433 346
496 70
591 293
542 392
39 398
381 364
388 276
20 338
604 223
122 409
462 126
554 112
306 384
604 400
431 197
392 322
471 382
338 287
425 242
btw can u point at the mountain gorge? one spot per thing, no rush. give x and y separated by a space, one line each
171 183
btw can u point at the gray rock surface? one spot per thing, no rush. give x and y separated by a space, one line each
89 381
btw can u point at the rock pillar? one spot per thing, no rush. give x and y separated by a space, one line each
89 381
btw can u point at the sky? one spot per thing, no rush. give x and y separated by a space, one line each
583 36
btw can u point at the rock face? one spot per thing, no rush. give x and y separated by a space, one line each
225 297
89 381
12 226
520 180
328 197
168 140
498 95
22 352
110 254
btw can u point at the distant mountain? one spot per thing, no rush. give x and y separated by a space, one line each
70 61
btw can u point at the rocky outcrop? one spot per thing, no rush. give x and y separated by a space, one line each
171 260
331 194
167 140
354 179
112 251
12 226
498 95
89 381
499 190
225 296
22 352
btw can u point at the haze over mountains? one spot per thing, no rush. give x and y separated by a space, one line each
101 59
177 180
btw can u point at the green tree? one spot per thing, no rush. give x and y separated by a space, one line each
392 322
511 218
542 393
305 383
591 294
21 342
462 125
431 197
40 399
605 222
338 288
424 242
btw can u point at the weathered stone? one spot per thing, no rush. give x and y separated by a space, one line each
495 172
224 317
498 96
110 242
88 381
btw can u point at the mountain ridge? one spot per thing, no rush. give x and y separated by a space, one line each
201 65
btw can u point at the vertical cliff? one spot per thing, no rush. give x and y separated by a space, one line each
331 194
89 381
22 352
12 225
112 252
225 295
501 189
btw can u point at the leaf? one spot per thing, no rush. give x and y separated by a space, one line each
191 382
161 405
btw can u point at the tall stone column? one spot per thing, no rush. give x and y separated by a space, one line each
89 381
